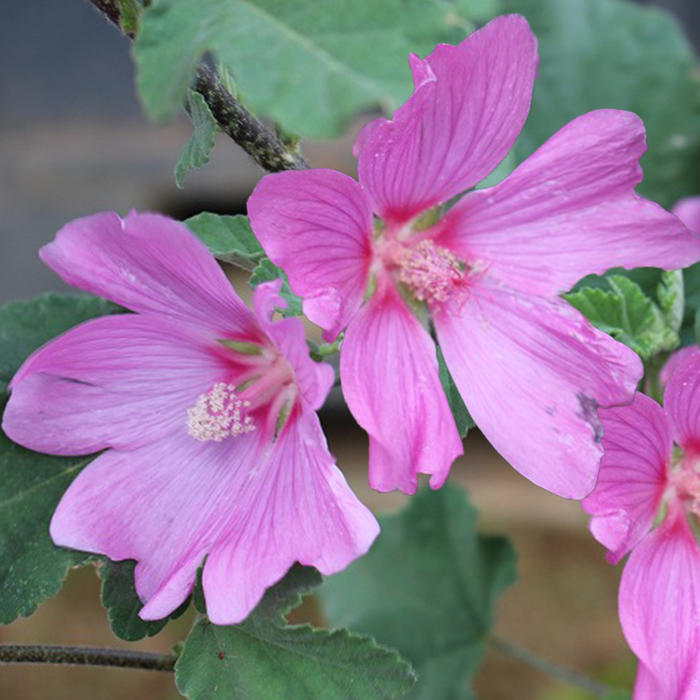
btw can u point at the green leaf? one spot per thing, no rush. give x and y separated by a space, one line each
120 599
428 588
670 293
267 271
627 314
32 568
229 238
460 412
197 150
266 658
310 68
600 54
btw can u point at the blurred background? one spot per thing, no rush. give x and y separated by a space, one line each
73 140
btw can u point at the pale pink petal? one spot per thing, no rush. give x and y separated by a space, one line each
389 373
301 509
660 607
675 361
532 372
646 686
314 379
149 263
688 211
469 106
570 210
254 508
119 381
162 504
317 225
682 402
633 474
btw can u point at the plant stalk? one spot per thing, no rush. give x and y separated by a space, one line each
85 656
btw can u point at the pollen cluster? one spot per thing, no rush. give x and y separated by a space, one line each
218 414
431 272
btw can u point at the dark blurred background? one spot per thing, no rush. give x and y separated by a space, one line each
73 140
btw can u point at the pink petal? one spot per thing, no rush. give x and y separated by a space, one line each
303 511
688 211
119 381
469 106
149 263
314 379
682 402
570 210
260 508
389 372
646 686
660 607
633 474
317 225
675 361
531 372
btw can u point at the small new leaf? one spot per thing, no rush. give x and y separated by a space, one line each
120 599
32 568
428 588
229 238
265 658
626 313
197 150
267 271
459 410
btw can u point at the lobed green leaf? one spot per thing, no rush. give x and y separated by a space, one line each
428 588
604 54
626 313
265 658
32 568
310 69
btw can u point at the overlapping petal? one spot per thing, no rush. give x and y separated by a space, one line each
532 372
688 211
682 402
633 474
389 372
116 381
570 210
660 608
675 361
149 263
314 379
254 509
469 106
317 225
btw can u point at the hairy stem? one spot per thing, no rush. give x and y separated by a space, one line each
259 142
85 656
571 677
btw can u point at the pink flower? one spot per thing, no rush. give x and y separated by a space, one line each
642 475
205 411
530 368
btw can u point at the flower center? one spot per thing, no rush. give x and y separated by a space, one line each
685 479
218 414
431 272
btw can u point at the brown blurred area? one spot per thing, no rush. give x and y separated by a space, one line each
72 142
